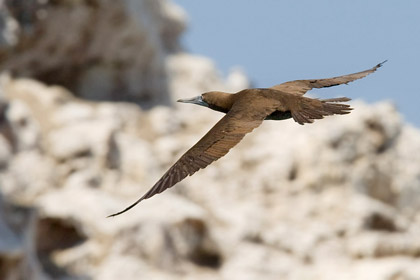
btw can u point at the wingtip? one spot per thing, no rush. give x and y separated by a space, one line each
115 214
121 212
380 64
129 207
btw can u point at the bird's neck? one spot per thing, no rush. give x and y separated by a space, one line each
222 102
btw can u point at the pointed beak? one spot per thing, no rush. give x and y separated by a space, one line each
195 100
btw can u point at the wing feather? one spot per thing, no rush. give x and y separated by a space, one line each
228 132
300 87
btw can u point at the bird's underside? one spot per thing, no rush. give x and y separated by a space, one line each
245 111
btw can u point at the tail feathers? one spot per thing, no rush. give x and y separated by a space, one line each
312 109
331 107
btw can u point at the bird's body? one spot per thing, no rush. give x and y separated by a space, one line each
246 110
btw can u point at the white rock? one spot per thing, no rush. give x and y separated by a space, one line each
112 50
338 199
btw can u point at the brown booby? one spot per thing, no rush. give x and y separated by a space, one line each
246 110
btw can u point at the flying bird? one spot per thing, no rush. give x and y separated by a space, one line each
246 110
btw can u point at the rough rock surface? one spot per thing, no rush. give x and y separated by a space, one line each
99 49
338 199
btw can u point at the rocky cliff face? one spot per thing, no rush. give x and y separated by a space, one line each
338 199
99 49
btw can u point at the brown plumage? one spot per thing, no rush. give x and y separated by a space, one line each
246 110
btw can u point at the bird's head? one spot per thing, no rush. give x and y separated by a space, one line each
198 100
216 100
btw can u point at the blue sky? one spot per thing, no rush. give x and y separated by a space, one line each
275 41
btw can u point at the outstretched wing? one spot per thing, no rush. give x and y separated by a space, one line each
300 87
228 132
